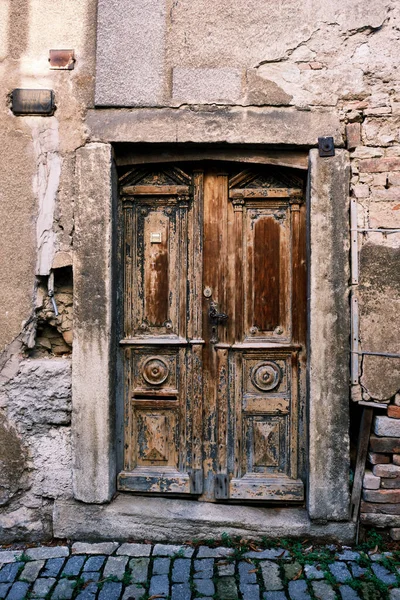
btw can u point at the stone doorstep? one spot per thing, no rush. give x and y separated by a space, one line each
136 517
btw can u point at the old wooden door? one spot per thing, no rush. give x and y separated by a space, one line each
214 341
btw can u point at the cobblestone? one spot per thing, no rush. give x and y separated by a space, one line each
313 572
94 563
42 587
166 571
181 591
181 570
64 590
115 567
203 568
270 574
53 567
31 570
323 590
73 566
18 591
9 572
340 571
159 586
161 566
139 569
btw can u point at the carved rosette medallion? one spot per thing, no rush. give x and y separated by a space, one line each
266 376
155 370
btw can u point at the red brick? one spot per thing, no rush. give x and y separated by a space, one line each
353 135
391 471
378 459
394 412
382 496
380 165
385 509
384 444
390 484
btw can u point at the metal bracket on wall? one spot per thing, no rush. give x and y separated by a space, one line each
326 146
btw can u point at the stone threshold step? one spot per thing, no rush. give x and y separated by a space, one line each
162 519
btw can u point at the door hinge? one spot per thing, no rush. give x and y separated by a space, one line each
326 146
221 486
196 481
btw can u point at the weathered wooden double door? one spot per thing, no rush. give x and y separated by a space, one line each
214 317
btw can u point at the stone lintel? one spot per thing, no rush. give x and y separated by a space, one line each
328 344
164 519
199 124
93 374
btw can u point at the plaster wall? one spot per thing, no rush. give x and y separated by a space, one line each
259 72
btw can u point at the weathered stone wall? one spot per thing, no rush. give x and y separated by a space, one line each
330 61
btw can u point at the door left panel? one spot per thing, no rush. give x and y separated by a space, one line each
159 412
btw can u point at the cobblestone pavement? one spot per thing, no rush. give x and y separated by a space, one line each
113 571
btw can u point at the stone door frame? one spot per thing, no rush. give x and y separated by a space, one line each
97 374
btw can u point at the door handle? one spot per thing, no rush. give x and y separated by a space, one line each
214 315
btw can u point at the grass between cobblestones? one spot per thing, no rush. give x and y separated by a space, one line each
239 570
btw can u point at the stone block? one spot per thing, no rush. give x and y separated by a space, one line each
389 496
353 135
206 552
134 78
348 555
370 481
386 427
235 125
226 588
44 552
393 411
378 459
225 569
94 469
134 549
384 214
9 572
206 86
96 548
379 165
171 550
269 554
